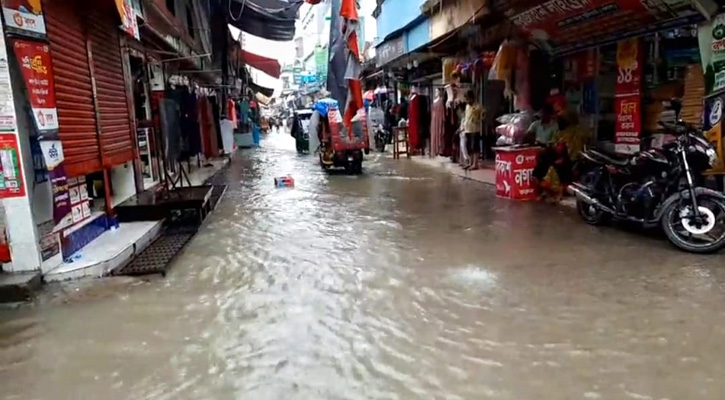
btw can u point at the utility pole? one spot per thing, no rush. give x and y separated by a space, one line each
225 57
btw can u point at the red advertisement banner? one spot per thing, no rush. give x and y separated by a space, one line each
35 64
568 21
11 173
628 124
629 67
515 173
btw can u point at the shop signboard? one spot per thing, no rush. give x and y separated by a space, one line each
128 18
11 173
627 102
297 74
7 105
568 25
34 60
24 17
389 50
321 63
515 173
53 157
711 38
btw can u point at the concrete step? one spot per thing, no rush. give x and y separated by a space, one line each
19 286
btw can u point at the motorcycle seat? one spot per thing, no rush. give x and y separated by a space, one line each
606 158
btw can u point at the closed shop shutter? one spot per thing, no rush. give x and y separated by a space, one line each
73 87
117 139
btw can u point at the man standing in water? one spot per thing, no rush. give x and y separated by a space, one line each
471 126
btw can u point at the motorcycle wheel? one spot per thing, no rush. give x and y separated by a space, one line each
592 215
707 236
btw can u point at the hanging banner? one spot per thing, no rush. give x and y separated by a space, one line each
627 102
53 157
11 176
128 18
35 64
711 39
7 105
24 17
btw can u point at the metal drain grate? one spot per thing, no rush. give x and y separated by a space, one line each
157 257
217 192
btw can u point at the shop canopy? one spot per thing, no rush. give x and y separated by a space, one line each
564 26
261 89
269 66
270 19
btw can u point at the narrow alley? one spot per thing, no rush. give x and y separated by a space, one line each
401 283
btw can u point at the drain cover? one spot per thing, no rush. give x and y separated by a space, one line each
157 257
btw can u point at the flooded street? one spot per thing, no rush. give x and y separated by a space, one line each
403 283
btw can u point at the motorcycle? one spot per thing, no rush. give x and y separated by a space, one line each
658 187
381 138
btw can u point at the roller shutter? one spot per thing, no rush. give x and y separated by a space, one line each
73 87
117 139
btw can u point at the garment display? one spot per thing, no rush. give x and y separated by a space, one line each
438 116
227 128
208 128
414 121
424 120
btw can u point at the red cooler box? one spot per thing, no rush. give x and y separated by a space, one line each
515 172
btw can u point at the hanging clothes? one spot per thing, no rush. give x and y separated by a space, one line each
414 121
232 112
189 122
424 120
438 117
208 128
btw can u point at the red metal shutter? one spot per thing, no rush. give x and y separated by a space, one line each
73 87
117 139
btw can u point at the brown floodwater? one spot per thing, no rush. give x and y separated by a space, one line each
402 283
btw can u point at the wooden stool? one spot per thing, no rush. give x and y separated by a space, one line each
400 137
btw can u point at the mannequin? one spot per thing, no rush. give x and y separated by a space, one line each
437 127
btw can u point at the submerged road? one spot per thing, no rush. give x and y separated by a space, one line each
403 283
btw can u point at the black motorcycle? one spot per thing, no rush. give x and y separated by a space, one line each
382 136
658 187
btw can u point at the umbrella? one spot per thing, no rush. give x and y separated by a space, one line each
369 95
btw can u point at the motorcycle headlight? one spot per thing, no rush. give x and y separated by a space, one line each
712 156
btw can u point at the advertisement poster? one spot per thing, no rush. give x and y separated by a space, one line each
53 156
628 124
515 174
711 39
24 16
627 102
713 120
11 174
7 106
128 18
34 59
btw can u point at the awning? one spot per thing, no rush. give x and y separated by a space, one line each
563 27
265 100
270 19
261 89
269 66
